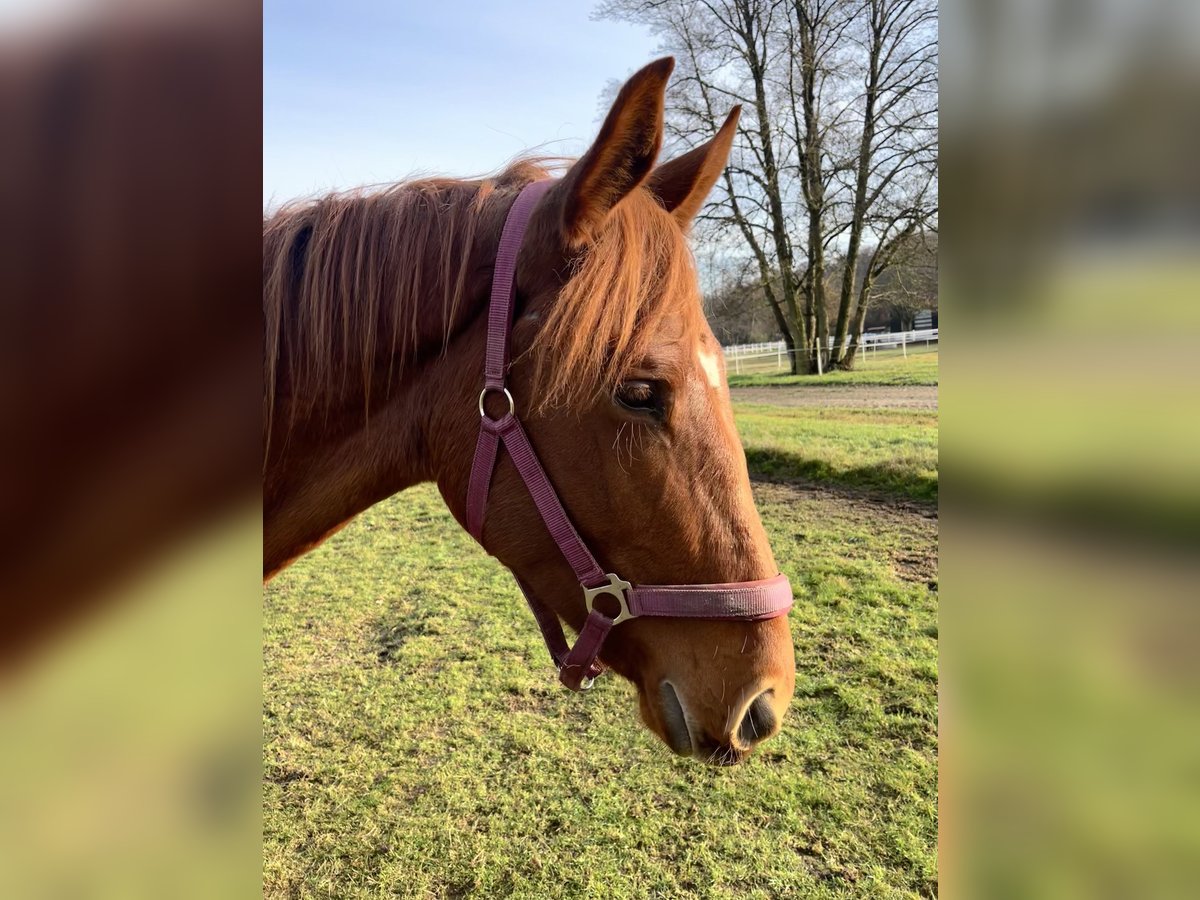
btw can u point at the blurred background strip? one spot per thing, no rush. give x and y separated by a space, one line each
130 346
1071 447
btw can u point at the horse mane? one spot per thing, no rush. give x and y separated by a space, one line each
353 274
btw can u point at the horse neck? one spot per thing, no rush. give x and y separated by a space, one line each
328 471
339 461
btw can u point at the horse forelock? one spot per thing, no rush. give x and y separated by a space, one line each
620 290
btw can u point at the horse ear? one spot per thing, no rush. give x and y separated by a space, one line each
621 157
682 184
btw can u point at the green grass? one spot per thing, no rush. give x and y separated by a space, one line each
894 451
418 745
921 367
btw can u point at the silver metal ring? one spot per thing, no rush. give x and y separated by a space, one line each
512 406
616 588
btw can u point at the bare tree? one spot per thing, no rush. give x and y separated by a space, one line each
839 109
897 143
904 230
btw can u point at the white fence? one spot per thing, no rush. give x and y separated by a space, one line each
899 338
749 349
761 355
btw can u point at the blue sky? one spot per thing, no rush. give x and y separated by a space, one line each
365 91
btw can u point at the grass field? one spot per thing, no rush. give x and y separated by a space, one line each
919 367
417 744
890 450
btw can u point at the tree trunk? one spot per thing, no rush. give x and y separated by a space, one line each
793 356
815 296
812 182
799 330
859 210
785 327
860 318
779 227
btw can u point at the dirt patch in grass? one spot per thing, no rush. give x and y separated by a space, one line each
865 396
914 558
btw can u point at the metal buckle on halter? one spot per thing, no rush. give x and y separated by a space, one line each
585 684
512 406
615 588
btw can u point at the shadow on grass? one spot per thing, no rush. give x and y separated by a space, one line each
1087 507
883 478
395 630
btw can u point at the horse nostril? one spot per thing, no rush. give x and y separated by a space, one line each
679 736
759 721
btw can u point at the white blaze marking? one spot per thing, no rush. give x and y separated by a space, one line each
711 366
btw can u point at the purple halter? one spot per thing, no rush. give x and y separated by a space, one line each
578 666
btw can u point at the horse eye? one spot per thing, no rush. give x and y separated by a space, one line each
641 397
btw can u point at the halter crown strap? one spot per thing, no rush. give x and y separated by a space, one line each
504 284
578 665
495 365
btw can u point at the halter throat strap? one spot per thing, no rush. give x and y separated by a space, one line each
578 665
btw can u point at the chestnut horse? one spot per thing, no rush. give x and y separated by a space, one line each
376 325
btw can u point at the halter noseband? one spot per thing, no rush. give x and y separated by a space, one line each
578 666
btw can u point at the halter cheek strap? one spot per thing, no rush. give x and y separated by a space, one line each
578 666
